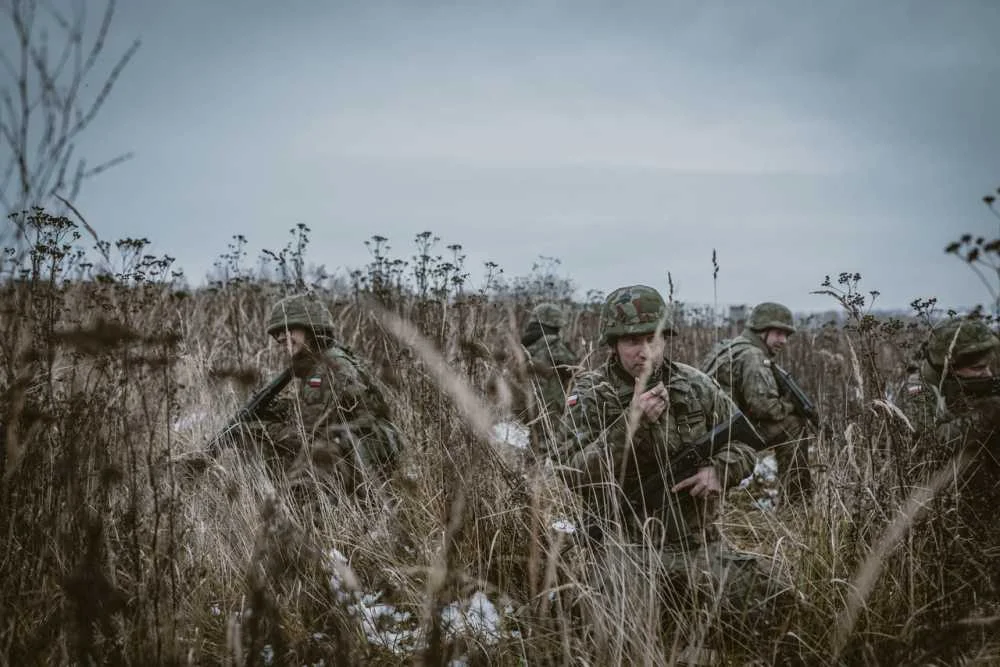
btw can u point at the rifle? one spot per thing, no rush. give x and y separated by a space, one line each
803 404
698 455
260 400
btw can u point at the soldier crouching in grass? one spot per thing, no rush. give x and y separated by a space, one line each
953 404
550 365
337 433
623 424
743 366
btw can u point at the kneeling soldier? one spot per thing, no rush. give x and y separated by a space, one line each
623 429
743 366
338 430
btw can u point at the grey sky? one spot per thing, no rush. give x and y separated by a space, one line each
627 139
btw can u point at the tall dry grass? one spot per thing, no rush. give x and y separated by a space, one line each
117 554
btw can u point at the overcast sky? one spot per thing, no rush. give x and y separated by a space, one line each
627 139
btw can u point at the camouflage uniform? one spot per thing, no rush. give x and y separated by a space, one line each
742 366
338 429
932 404
957 432
604 455
550 365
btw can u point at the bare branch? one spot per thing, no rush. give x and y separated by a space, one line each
8 174
108 164
77 178
22 27
61 178
108 85
43 98
8 64
60 20
86 226
102 35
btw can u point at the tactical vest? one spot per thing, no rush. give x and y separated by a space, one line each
685 409
375 398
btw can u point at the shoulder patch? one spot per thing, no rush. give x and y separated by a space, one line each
572 400
315 381
914 389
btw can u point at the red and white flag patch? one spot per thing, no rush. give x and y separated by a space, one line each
315 381
914 389
572 400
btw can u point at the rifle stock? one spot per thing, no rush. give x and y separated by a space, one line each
260 400
697 455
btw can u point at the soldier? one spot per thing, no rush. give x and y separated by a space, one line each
338 430
957 430
958 349
550 364
622 424
742 366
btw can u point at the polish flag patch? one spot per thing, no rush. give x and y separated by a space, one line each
914 389
572 400
315 381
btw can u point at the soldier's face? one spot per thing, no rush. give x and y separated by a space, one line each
637 354
775 340
293 341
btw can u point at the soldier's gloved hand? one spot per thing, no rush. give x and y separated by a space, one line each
988 411
279 410
340 437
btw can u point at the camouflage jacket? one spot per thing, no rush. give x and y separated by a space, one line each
943 420
550 365
948 424
339 421
606 461
742 367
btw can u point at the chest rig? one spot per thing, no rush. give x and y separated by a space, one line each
686 417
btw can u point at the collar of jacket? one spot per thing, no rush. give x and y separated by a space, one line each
929 375
757 341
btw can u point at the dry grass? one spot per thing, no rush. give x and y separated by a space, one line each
115 556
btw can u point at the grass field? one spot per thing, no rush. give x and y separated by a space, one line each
113 555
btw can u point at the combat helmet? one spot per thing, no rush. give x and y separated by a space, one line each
770 315
549 315
960 341
301 310
634 310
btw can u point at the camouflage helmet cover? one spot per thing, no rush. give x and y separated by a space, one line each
959 341
635 310
300 310
548 314
770 315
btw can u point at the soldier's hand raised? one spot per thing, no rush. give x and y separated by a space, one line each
653 402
